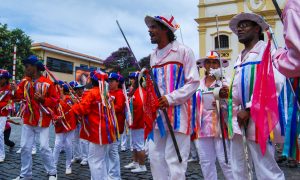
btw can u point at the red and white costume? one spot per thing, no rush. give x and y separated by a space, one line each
5 97
64 129
137 127
113 162
98 128
37 117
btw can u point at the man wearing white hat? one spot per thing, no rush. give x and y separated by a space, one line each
249 27
175 72
207 125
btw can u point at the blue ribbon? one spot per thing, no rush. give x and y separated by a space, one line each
161 127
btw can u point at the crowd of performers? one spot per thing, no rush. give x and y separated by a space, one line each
236 121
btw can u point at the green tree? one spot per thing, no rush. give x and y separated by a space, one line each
145 62
121 61
9 38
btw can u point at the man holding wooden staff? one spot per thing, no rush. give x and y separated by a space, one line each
175 73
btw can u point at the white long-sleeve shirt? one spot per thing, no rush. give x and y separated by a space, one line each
175 72
241 96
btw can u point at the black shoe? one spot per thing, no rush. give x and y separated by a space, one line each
292 163
281 159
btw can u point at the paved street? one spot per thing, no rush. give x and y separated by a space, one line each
11 167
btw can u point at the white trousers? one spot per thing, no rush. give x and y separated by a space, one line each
125 138
35 141
113 161
210 149
63 140
163 159
76 143
266 167
84 146
27 140
97 161
193 150
137 137
2 145
80 146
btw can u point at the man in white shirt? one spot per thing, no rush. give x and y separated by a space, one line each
175 72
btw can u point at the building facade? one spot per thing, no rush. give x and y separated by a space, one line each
65 64
225 10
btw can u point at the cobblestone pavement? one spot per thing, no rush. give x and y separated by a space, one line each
11 167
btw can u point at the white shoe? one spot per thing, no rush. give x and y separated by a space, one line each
132 165
18 178
69 170
75 160
139 169
1 160
84 163
53 177
33 152
19 151
192 159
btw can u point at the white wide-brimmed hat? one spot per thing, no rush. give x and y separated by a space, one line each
247 16
168 21
212 55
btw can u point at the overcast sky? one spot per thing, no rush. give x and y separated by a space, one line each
89 26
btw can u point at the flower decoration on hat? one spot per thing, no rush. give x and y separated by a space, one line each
212 55
167 20
98 75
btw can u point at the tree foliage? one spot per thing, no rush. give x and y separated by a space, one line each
121 61
9 38
145 62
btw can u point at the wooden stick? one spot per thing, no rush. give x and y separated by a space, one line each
220 112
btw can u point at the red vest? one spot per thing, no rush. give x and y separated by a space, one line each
138 111
68 123
98 126
33 112
5 96
119 104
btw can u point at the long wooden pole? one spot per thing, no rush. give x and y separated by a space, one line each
219 111
158 95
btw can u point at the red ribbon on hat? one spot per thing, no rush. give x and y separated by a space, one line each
101 76
167 21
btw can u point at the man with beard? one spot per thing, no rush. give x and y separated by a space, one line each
175 72
249 27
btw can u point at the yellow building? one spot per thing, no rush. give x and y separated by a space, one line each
225 10
65 63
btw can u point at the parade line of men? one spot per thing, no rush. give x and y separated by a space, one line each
211 112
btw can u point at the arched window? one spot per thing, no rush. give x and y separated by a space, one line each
224 42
